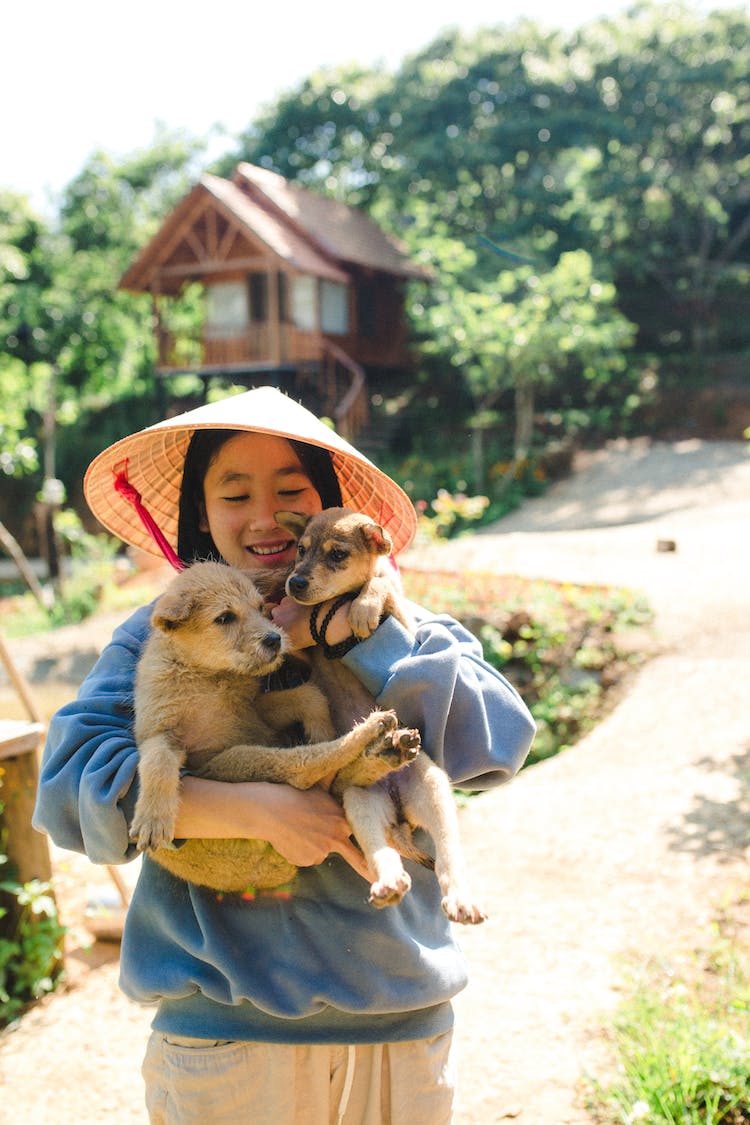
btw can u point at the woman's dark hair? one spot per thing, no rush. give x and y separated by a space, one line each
193 544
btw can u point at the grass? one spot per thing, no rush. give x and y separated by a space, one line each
681 1038
89 587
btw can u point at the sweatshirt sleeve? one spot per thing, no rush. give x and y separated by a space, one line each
88 776
473 722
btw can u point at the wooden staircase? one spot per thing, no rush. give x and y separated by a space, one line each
336 388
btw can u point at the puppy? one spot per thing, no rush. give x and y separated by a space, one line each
199 704
341 552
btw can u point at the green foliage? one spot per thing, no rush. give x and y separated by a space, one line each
30 957
24 280
60 308
664 187
681 1045
30 961
560 645
527 330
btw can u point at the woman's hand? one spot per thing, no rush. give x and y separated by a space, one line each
294 619
304 826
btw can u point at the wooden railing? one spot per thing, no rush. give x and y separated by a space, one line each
345 389
340 381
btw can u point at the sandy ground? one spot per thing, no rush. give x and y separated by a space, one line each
622 849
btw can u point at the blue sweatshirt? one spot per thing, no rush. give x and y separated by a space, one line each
321 965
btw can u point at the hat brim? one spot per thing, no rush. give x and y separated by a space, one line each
156 457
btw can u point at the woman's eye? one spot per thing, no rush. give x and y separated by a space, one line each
291 491
227 618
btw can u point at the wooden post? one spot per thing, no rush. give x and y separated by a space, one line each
27 849
274 315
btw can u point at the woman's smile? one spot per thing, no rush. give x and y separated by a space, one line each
273 552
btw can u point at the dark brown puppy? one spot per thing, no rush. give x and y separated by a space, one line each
341 552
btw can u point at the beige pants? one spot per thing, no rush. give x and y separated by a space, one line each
197 1081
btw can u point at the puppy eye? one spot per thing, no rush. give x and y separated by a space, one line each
227 618
338 555
301 551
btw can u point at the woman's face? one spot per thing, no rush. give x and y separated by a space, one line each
252 477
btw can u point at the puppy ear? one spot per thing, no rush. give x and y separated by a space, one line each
172 610
295 522
377 537
270 583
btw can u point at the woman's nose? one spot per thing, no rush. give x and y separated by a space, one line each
262 516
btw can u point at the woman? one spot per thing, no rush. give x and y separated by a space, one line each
314 1007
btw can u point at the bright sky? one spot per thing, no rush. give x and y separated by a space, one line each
92 74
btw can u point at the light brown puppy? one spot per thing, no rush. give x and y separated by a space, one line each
340 552
199 704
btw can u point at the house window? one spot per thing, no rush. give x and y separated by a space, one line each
334 308
227 312
304 303
366 310
259 297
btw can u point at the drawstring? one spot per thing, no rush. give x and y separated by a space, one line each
348 1083
128 492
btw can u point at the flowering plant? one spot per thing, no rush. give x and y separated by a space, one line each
448 514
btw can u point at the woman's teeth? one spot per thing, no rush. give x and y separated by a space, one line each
276 550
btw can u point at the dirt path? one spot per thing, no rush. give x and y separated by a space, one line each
622 848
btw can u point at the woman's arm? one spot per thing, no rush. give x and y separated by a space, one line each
473 722
87 783
304 826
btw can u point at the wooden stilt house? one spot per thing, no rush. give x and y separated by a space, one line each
298 290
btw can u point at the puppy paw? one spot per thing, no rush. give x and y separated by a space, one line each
150 833
408 742
402 748
378 729
390 891
462 909
364 617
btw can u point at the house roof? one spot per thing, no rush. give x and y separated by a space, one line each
279 236
345 233
308 232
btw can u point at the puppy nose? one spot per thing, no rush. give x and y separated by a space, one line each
272 641
297 584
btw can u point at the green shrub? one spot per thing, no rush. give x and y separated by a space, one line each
30 958
560 645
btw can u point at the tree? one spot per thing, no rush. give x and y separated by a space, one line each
59 302
70 341
665 190
527 331
25 281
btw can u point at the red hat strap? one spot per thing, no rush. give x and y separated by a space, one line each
133 496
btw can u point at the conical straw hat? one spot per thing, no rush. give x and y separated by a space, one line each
155 459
